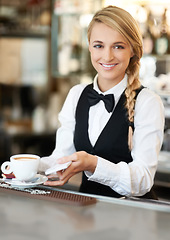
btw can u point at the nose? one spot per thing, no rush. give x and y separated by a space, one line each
108 54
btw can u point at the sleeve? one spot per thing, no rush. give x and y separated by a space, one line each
64 135
137 177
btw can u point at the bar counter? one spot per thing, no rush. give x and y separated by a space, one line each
23 218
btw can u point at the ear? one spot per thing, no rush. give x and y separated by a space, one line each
132 54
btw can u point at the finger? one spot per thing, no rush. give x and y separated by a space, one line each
66 179
52 176
68 158
58 182
65 174
53 183
59 174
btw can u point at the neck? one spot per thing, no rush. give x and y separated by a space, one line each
106 85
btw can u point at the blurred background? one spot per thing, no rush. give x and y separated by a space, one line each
44 52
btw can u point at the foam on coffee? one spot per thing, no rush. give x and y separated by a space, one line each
24 158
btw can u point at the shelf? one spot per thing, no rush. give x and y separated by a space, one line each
25 34
25 18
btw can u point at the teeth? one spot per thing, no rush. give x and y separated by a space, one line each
108 66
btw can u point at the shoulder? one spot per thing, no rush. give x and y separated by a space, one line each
78 88
149 104
73 96
70 103
146 95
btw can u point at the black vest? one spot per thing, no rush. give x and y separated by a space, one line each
112 144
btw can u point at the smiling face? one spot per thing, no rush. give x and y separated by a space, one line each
110 55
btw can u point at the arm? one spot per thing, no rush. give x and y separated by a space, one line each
64 135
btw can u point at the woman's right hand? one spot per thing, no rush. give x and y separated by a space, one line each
81 161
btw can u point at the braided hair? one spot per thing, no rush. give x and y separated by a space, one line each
120 20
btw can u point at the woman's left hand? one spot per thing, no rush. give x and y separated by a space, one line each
81 161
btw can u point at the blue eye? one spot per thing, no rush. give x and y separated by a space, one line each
118 47
97 46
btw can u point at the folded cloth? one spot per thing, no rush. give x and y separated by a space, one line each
57 167
47 162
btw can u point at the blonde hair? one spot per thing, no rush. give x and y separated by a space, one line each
121 21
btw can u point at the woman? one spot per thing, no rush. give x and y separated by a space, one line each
116 147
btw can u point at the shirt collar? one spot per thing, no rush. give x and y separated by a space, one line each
117 90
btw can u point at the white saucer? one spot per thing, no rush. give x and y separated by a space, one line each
20 184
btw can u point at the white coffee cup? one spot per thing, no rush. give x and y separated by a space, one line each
23 166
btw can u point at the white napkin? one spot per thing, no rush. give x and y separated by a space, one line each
57 167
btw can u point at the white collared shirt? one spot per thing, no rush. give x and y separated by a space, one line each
135 178
99 111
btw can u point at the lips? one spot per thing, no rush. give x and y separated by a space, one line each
108 66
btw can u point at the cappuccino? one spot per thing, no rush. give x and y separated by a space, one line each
23 166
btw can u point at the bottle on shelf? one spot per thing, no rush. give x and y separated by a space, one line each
161 42
148 43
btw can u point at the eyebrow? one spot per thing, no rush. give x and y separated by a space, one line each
120 43
97 41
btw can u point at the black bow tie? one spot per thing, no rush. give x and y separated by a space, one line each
94 97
